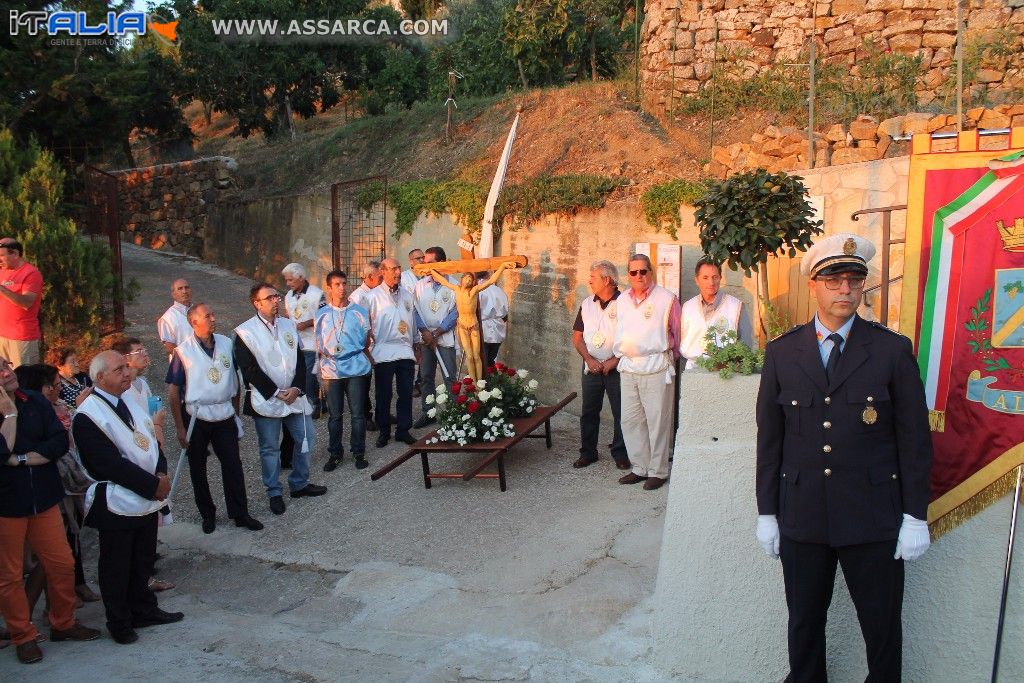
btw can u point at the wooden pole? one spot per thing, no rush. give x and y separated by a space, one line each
474 265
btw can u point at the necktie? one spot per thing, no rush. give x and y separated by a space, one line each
122 411
833 356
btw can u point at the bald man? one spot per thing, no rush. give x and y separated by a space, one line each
173 327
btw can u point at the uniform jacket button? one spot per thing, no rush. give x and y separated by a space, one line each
826 424
826 448
828 400
794 402
828 473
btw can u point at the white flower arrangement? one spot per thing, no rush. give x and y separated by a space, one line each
430 399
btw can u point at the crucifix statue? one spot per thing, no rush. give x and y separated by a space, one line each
467 297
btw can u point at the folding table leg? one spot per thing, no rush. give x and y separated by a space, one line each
501 472
426 469
547 432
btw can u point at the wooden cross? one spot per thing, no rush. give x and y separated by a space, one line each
474 265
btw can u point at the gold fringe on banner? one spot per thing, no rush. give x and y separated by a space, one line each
960 514
937 420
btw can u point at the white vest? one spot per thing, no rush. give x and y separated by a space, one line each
121 500
359 295
275 354
173 326
641 332
599 326
695 327
493 310
140 391
205 398
409 280
433 305
393 323
303 307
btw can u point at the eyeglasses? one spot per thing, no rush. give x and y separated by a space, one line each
640 272
835 282
133 353
272 297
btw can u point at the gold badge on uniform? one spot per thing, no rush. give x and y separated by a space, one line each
648 311
289 339
225 361
434 306
140 440
597 340
213 374
850 246
402 327
870 415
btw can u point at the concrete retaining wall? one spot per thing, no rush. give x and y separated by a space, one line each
719 605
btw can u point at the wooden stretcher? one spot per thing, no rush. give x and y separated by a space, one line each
492 451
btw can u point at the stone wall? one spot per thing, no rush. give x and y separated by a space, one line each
765 33
167 206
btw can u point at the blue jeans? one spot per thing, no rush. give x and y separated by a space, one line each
403 374
312 381
268 430
428 370
335 391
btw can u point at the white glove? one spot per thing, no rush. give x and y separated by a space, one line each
768 535
241 429
914 539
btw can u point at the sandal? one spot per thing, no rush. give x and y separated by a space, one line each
157 585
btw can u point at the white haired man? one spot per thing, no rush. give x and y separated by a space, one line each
301 303
592 336
646 344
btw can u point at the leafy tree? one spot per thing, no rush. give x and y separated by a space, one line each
421 9
83 102
750 216
78 274
479 53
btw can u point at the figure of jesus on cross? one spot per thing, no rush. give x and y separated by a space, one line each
467 298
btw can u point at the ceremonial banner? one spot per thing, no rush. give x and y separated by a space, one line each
963 301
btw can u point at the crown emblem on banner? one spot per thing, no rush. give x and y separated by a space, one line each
1013 235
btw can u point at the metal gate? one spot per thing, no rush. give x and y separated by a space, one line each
98 217
358 223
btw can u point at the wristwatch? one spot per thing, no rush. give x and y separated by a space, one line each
22 459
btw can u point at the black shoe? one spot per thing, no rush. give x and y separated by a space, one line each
249 523
209 524
406 439
361 463
424 421
124 637
332 464
157 617
309 490
277 505
383 440
583 462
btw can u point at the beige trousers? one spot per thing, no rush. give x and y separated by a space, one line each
19 352
646 416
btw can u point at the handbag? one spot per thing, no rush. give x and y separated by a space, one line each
73 476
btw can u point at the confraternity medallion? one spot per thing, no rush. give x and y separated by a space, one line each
140 440
213 374
434 306
289 339
337 349
402 327
597 340
870 415
649 311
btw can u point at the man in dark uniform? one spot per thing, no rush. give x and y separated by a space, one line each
843 460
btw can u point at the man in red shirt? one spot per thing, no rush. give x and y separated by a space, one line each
21 292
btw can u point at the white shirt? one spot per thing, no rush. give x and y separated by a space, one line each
393 323
493 311
409 280
173 327
359 294
302 307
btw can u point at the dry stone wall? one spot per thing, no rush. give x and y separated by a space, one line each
168 206
766 33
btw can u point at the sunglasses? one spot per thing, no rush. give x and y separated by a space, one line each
640 271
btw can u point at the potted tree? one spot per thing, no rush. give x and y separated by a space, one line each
750 216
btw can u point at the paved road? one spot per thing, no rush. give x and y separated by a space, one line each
385 580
